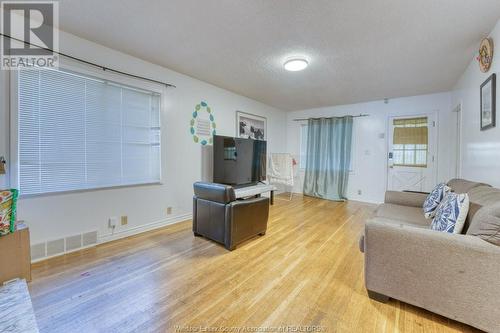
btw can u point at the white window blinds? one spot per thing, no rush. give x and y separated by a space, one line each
78 132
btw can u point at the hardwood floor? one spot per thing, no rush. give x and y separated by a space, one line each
306 270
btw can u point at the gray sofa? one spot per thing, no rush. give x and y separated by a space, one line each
454 275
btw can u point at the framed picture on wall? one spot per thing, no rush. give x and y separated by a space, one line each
488 102
251 126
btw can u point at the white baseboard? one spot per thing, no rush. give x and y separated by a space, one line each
366 201
143 228
125 233
370 201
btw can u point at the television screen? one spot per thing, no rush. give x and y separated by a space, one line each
239 161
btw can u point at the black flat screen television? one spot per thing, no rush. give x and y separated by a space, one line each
239 161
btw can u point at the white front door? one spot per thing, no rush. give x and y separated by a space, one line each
411 164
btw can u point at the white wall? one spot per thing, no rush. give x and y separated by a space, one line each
480 149
370 150
53 216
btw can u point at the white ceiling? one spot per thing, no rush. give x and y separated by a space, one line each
359 50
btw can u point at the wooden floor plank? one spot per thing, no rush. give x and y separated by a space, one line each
306 270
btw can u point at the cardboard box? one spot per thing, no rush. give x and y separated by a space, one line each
15 256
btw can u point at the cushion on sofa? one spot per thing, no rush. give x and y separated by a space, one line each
484 195
486 224
451 213
434 198
402 214
392 221
412 199
473 209
463 186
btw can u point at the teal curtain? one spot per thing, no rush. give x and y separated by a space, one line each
328 157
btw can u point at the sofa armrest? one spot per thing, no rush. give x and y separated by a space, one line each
214 192
451 274
412 199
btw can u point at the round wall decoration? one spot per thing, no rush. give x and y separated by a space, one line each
485 57
202 126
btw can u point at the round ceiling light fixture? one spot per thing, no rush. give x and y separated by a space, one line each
295 64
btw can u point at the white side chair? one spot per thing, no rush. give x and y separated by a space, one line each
281 170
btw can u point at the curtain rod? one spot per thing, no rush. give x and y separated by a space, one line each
359 115
104 68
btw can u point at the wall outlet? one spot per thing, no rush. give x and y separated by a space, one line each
360 192
124 220
112 222
169 210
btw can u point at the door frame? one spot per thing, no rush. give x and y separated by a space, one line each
433 118
5 127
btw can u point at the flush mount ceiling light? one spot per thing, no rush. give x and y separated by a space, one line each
294 65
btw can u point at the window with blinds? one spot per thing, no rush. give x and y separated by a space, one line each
410 142
78 132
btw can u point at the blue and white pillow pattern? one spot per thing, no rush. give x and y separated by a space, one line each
451 213
434 199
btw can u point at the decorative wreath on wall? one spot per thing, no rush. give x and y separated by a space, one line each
202 125
485 57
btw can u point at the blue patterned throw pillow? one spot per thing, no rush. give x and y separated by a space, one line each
451 213
434 199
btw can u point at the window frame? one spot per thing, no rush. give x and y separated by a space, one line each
85 70
414 150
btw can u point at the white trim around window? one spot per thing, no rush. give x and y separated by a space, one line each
80 128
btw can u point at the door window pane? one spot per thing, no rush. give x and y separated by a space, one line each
410 142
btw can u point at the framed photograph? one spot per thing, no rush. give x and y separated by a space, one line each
251 126
488 102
